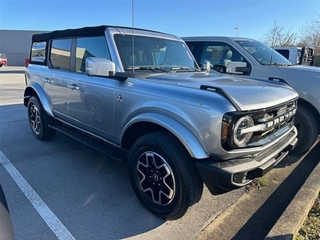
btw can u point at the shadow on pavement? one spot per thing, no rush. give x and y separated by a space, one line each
282 237
12 71
262 221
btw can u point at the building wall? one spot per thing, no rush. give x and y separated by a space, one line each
16 44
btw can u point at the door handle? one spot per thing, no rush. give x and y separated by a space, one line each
73 87
48 80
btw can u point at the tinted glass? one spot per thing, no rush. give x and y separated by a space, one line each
263 54
60 54
38 51
283 52
90 47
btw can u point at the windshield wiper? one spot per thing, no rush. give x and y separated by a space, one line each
279 64
147 68
152 68
184 69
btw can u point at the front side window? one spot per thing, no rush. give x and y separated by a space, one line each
38 52
60 53
90 47
219 54
264 54
151 52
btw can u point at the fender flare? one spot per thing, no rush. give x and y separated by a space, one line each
184 135
35 87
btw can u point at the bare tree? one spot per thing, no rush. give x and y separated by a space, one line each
311 34
279 37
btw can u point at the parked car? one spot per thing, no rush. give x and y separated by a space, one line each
250 58
143 99
26 62
3 59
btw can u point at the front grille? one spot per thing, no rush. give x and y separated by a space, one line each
269 124
276 120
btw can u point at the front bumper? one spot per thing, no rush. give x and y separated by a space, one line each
224 176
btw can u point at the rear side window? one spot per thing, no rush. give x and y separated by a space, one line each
38 52
90 47
60 53
284 52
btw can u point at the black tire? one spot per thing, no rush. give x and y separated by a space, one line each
168 182
308 130
39 121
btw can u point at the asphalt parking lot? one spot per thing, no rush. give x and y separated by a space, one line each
61 189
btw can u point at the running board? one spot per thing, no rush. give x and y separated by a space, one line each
111 152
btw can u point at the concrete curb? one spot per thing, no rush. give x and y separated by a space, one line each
293 217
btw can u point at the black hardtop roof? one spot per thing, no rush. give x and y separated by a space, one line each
78 32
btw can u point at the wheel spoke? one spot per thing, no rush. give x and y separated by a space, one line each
35 119
156 178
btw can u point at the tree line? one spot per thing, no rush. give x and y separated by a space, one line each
278 36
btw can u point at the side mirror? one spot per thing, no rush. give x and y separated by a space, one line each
99 67
206 66
236 67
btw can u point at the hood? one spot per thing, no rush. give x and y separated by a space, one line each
247 93
300 69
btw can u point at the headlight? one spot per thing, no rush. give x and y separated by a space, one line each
242 139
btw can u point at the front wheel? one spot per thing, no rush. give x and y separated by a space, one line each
163 175
39 120
308 130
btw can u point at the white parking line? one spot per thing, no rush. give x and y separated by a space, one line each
47 215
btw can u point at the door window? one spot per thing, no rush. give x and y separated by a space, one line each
90 47
219 54
60 54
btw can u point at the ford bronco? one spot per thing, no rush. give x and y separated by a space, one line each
139 96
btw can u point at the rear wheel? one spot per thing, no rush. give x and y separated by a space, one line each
163 175
39 121
308 130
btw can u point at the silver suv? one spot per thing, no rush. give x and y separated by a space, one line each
139 96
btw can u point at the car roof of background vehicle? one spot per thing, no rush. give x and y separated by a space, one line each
210 38
86 31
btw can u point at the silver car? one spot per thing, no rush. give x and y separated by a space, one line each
139 96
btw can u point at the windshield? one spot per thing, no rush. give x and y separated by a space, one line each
154 53
3 55
264 54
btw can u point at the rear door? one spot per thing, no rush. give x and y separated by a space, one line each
55 82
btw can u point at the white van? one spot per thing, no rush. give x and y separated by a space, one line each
297 55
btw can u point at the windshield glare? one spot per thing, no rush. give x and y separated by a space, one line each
151 52
264 54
